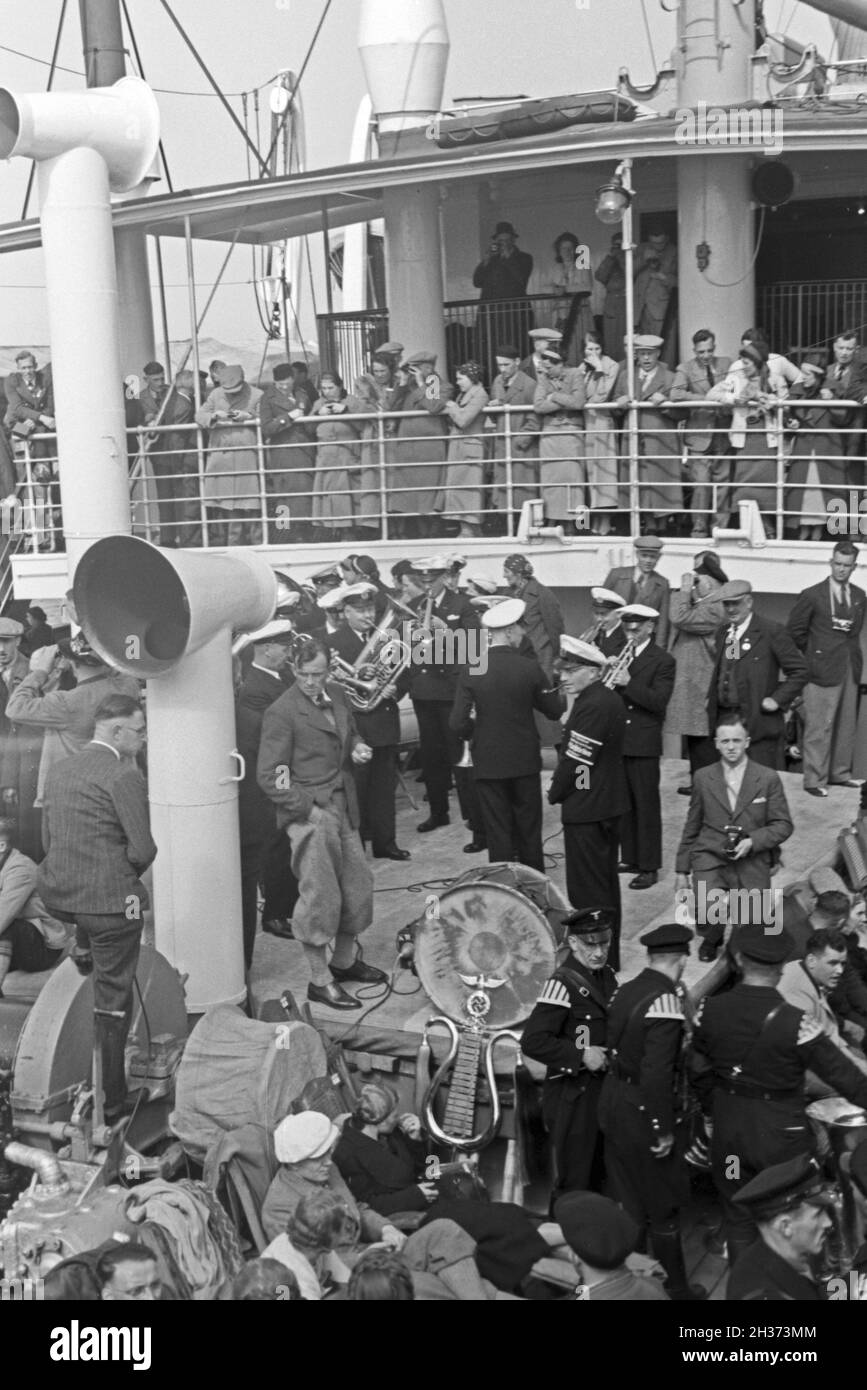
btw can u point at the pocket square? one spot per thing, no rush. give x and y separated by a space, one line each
757 799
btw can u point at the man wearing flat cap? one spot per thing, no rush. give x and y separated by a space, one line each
567 1031
660 492
638 1107
589 783
757 672
751 1053
514 386
602 1235
503 274
640 583
791 1204
494 710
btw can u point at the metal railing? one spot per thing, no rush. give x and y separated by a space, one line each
385 476
803 315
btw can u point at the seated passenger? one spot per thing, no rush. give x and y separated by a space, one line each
30 938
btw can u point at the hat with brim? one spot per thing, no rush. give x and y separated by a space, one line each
391 348
649 544
637 612
10 628
545 335
504 229
432 564
308 1135
589 921
232 378
551 355
335 598
765 947
783 1187
487 586
671 938
279 630
574 652
734 590
606 598
504 614
420 359
329 572
359 593
647 340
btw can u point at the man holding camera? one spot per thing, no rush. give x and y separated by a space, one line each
738 817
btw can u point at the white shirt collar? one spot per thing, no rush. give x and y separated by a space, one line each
266 669
740 630
100 743
639 650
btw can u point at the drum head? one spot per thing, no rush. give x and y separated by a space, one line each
485 929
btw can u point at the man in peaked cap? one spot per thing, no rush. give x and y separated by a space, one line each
607 632
751 1053
493 709
567 1031
602 1235
589 783
790 1203
640 583
638 1110
645 687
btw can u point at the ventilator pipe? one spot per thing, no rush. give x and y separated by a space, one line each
852 12
51 1176
167 616
86 145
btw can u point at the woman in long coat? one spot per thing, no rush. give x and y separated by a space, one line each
418 449
818 469
232 483
753 430
338 458
288 458
696 614
558 403
600 442
462 498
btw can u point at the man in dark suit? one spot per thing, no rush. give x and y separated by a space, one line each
757 673
589 783
639 583
738 817
263 844
708 461
375 780
645 688
826 624
607 631
435 669
97 844
507 760
846 380
309 743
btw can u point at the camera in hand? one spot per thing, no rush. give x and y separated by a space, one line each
734 834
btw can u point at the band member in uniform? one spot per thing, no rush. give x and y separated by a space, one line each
637 1110
645 686
507 758
309 743
738 817
434 683
376 780
607 631
589 783
791 1205
567 1032
751 1051
757 671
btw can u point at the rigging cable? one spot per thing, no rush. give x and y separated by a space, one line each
51 72
301 73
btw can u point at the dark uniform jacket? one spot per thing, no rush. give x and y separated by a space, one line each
769 664
304 757
505 742
761 811
573 999
646 1024
593 745
830 653
753 1066
261 688
381 727
760 1275
440 681
651 682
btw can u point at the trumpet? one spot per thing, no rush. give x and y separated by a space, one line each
619 665
466 756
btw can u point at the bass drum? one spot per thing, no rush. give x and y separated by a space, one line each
503 922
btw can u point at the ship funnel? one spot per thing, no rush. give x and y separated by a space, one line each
168 616
404 52
121 123
144 608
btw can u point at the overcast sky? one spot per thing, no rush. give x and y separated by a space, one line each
498 47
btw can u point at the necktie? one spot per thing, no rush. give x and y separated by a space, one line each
838 373
710 377
844 596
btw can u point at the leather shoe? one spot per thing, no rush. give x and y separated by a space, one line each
627 868
332 996
707 951
816 791
279 926
392 852
854 782
645 879
475 846
432 823
360 973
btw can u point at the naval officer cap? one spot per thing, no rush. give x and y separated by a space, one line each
359 593
784 1187
10 628
504 614
764 947
670 937
433 564
637 612
735 589
574 652
589 921
606 598
486 586
326 573
335 598
596 1228
279 630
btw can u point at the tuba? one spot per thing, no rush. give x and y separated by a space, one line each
381 661
619 665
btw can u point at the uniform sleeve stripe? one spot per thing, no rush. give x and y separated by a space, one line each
666 1006
555 992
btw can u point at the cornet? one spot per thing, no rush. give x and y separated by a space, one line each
620 664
